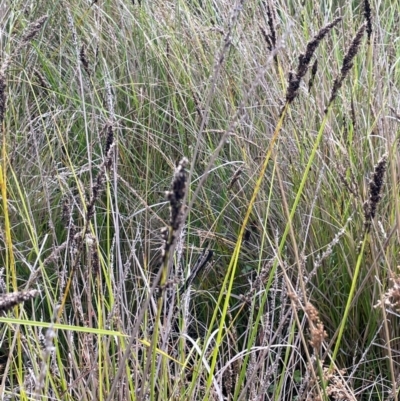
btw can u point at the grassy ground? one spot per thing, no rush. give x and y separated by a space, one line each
199 200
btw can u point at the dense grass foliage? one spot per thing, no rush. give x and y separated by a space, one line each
200 200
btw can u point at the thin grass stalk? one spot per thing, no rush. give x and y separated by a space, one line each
277 392
154 339
230 274
388 341
175 197
133 338
243 396
260 314
221 56
10 260
236 120
229 278
81 91
349 301
304 300
296 202
101 354
370 206
396 208
298 195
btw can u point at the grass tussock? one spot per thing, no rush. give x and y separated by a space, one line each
199 200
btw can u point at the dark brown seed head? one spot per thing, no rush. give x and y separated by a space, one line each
375 191
84 60
3 97
33 29
109 138
271 24
304 61
313 73
347 64
368 19
177 193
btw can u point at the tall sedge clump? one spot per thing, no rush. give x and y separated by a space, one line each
291 93
31 32
77 237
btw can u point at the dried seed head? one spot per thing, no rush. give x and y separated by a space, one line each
391 298
337 388
266 37
84 59
177 193
66 211
270 37
42 80
33 29
375 188
368 19
271 25
197 104
318 334
109 138
175 197
99 184
313 73
352 52
304 61
8 301
236 176
95 257
347 64
3 97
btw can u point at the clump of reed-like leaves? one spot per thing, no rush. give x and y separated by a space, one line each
31 32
